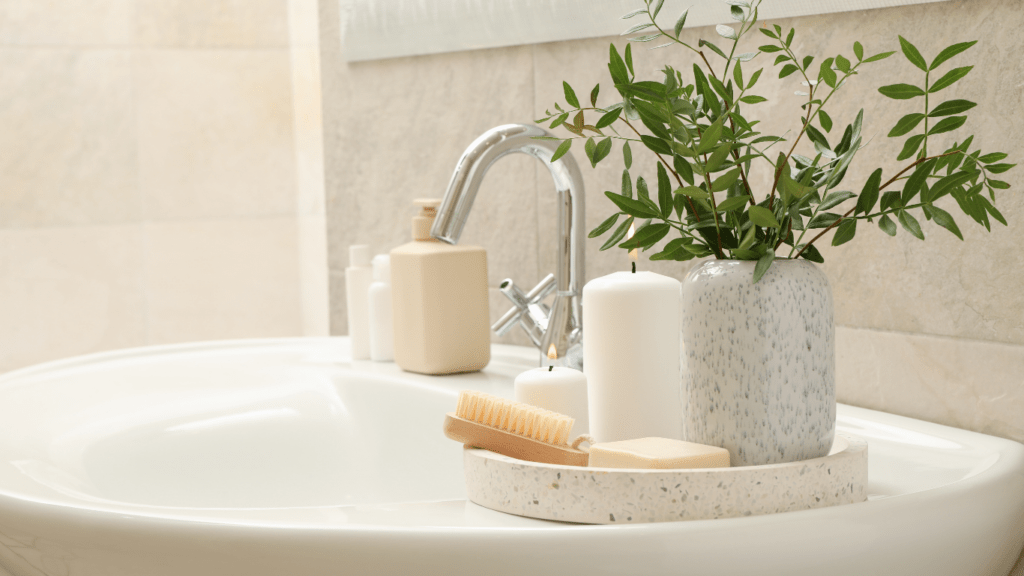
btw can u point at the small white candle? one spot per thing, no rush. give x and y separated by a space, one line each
631 356
558 389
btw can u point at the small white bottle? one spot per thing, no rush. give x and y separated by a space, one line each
382 333
358 277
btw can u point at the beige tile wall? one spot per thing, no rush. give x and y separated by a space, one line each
928 329
158 168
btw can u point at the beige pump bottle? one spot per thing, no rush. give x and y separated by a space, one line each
440 302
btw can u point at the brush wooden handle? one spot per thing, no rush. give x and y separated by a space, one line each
509 444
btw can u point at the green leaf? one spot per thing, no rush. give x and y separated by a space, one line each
608 118
811 253
604 147
890 199
754 77
944 219
901 91
919 177
912 54
664 191
570 95
725 180
632 207
558 121
844 232
869 195
726 32
627 184
998 184
604 226
835 199
824 120
887 225
678 29
628 54
910 224
789 37
999 168
636 12
693 192
753 99
951 107
826 73
627 155
823 220
594 93
858 50
656 144
769 48
763 217
647 236
787 70
906 124
949 53
718 157
878 57
656 8
948 124
949 78
589 149
737 75
768 32
763 264
993 157
561 150
683 168
730 204
618 235
710 137
911 146
616 67
842 63
947 184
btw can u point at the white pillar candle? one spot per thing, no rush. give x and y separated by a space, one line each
558 389
631 356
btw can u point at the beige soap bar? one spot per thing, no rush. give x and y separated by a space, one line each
661 453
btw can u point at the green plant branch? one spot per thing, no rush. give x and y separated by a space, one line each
880 188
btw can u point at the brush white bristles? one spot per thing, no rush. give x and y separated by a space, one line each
515 417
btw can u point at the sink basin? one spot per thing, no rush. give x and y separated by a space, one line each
283 457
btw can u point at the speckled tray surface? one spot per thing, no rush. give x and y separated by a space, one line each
620 496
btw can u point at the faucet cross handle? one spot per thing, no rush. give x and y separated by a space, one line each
528 309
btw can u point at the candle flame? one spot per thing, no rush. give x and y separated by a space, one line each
552 352
633 255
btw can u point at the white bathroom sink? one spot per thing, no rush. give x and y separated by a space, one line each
282 457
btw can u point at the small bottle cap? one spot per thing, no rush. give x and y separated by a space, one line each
359 256
382 268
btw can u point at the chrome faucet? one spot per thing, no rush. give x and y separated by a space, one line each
557 331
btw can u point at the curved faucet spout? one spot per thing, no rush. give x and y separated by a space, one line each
562 326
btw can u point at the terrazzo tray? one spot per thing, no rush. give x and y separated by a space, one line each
621 496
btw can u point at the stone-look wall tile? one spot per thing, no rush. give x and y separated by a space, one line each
67 138
303 24
69 291
215 133
66 23
564 61
308 129
970 384
212 23
395 130
222 279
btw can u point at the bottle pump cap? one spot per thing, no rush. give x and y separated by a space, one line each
423 221
359 256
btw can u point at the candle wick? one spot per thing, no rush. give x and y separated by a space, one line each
634 267
551 368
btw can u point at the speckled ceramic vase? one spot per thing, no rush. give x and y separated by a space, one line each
759 361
